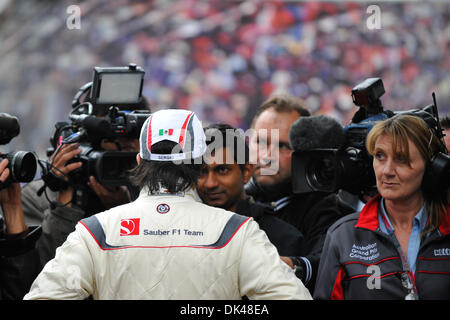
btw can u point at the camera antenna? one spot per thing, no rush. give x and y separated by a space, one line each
440 132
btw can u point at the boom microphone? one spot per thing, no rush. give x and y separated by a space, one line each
97 126
316 141
91 126
316 132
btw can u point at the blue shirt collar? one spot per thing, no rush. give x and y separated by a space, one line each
420 219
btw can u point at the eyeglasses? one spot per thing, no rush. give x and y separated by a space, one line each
406 282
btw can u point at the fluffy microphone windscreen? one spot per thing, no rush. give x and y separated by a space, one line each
315 132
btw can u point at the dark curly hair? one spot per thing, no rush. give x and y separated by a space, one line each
175 177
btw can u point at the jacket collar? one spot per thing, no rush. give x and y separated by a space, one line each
190 193
444 228
368 217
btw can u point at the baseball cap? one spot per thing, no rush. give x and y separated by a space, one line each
177 125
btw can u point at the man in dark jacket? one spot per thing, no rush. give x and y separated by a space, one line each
312 214
221 184
19 262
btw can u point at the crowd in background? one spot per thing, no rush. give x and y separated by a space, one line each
220 59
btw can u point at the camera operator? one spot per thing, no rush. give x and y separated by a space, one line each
55 210
312 213
397 246
19 260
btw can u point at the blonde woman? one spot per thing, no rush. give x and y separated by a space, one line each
398 246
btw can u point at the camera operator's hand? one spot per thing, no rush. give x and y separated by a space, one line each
10 199
288 261
110 196
61 168
66 152
298 265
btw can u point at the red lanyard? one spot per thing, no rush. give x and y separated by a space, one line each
411 285
408 281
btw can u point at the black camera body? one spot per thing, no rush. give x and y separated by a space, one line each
349 167
22 164
108 167
115 121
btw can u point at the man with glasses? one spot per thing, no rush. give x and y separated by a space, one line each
312 214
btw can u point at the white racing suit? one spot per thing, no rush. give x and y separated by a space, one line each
167 247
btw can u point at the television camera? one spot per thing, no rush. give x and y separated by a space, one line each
109 112
22 164
346 164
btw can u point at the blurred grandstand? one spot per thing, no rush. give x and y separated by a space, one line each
220 58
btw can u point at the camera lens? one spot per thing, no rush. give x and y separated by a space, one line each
112 167
321 173
22 165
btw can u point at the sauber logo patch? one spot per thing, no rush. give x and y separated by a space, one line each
129 227
162 208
